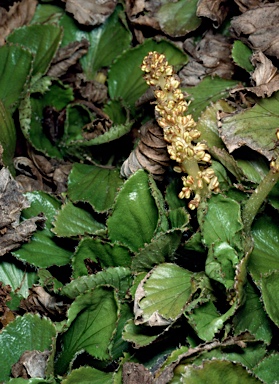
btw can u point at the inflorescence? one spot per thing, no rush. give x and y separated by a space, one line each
179 130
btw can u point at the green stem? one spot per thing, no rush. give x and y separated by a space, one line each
191 167
256 199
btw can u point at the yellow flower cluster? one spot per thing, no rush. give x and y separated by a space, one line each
179 130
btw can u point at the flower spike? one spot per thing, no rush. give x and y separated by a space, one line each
179 130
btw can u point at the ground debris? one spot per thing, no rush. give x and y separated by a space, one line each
12 202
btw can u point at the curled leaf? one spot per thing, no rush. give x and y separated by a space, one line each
66 57
216 10
162 295
150 153
265 76
90 12
12 202
210 56
258 28
19 14
247 127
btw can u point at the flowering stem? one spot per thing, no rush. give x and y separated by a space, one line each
191 167
180 130
258 196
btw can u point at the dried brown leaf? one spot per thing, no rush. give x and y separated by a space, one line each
150 153
18 15
135 373
92 90
245 5
211 56
26 167
90 12
12 202
6 315
67 56
39 301
265 76
31 364
40 173
215 10
142 12
258 28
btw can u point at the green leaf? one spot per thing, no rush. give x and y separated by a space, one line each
42 251
249 356
47 13
116 112
247 127
77 116
207 321
221 262
74 221
162 295
19 380
253 166
109 255
31 116
179 218
58 95
252 317
15 68
7 136
42 40
268 369
18 278
129 84
95 185
265 255
208 123
140 335
241 55
207 91
114 133
171 195
118 277
135 214
161 248
31 333
179 18
214 371
119 345
103 49
88 375
222 222
270 295
50 282
93 318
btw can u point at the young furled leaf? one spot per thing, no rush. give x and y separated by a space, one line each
150 153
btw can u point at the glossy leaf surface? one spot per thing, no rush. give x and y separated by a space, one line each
95 185
15 68
136 226
93 319
159 304
31 333
73 221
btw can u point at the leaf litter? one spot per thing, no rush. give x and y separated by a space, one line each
124 282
